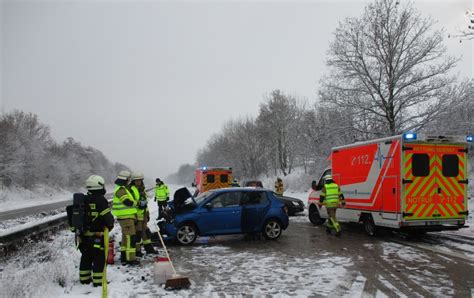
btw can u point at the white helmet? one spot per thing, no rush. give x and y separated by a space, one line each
95 182
137 176
327 177
124 175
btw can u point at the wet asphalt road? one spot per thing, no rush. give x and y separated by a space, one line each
306 261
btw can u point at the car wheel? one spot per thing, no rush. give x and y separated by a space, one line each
314 216
272 229
186 234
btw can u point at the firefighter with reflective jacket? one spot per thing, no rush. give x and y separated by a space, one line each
279 189
331 196
143 215
162 195
91 245
124 207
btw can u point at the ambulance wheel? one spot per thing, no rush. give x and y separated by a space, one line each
314 216
186 234
369 225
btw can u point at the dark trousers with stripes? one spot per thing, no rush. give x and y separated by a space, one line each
92 263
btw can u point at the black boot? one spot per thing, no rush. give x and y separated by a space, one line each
133 263
149 249
139 253
123 257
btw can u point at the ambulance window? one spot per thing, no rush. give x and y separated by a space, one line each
450 165
210 178
420 164
224 178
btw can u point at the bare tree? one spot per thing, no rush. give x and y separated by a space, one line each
29 156
390 68
466 32
277 126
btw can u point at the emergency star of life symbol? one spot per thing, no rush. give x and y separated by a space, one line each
379 156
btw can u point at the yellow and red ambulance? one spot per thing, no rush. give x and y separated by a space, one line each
207 178
410 182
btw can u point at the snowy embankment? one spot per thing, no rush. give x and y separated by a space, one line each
16 198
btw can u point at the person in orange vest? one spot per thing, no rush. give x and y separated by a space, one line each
279 189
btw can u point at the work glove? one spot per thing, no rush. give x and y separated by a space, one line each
343 203
142 205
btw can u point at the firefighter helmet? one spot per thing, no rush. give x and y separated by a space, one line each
137 176
95 182
124 175
327 178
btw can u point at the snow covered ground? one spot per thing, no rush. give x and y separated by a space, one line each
50 269
16 198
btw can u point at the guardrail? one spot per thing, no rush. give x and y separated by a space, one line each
15 238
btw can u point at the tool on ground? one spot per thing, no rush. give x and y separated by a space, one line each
162 270
111 253
176 281
104 274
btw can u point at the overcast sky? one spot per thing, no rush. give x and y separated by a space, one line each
149 82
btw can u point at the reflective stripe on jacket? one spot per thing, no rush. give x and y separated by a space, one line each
139 197
119 209
330 193
279 188
161 192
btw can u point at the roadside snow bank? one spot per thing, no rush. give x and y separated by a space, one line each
15 198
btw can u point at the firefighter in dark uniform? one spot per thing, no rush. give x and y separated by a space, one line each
91 243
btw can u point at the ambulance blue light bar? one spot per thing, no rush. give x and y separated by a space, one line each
204 168
470 139
409 136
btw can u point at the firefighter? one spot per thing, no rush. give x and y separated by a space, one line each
314 185
331 196
162 195
91 245
235 183
143 215
124 207
279 187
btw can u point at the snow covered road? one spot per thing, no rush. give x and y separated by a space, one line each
304 262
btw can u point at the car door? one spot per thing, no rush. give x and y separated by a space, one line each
255 205
221 214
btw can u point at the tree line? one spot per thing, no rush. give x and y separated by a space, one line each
29 156
388 72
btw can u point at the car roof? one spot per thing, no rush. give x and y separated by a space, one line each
233 189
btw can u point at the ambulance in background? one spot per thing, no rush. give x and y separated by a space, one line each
412 183
207 178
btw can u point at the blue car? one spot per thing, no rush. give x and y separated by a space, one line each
225 211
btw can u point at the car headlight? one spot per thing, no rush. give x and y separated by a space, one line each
295 203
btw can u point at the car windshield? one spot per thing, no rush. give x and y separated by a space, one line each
201 197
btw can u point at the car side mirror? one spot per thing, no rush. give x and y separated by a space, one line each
208 206
193 184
